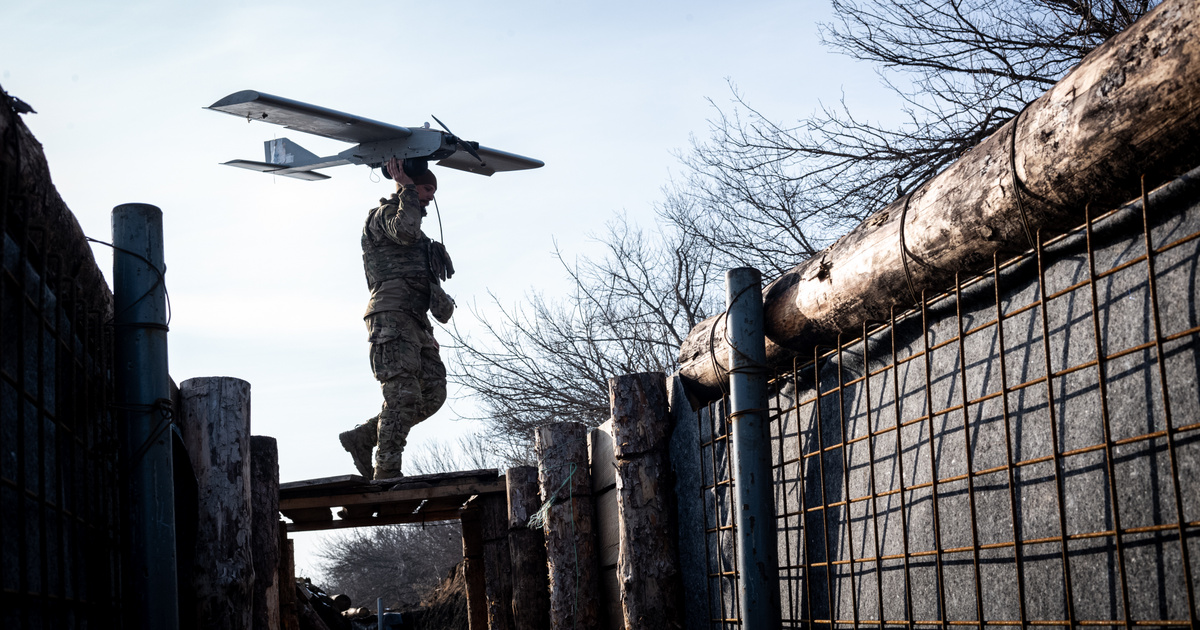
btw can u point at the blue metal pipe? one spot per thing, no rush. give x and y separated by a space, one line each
143 410
753 484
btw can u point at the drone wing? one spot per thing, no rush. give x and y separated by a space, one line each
494 161
274 169
312 119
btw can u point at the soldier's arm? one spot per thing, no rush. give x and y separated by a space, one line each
402 222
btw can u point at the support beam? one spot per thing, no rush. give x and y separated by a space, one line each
288 614
648 561
215 422
264 530
527 551
472 535
565 477
753 483
143 406
497 567
1128 109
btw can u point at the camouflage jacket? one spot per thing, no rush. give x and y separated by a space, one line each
396 255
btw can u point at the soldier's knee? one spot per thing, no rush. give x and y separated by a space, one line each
434 399
401 394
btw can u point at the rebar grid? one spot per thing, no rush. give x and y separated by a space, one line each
719 530
1008 452
59 561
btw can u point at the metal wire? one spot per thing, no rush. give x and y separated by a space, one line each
952 540
59 491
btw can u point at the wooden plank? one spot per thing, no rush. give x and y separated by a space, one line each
308 515
497 564
407 493
602 460
610 594
608 531
324 483
472 536
356 511
397 519
396 509
604 479
444 503
354 484
439 478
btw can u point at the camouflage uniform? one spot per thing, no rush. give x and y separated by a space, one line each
404 353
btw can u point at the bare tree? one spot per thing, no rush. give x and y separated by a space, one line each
399 563
470 451
550 360
771 194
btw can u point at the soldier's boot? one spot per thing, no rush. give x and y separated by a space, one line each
359 442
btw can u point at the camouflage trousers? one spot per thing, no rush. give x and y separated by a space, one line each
405 361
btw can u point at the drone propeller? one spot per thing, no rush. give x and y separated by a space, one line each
469 146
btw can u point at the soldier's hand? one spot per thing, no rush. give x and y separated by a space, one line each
395 168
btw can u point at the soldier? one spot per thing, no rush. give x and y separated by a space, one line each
404 271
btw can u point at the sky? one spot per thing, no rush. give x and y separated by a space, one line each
265 273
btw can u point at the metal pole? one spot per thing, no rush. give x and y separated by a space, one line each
143 406
753 485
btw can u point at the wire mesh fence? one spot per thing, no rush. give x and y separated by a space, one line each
59 529
1022 449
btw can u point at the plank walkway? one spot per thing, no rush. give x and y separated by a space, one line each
359 502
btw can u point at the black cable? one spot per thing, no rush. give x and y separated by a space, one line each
161 280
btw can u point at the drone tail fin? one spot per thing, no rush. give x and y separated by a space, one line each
288 154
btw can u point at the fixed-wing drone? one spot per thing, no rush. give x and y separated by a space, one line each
375 142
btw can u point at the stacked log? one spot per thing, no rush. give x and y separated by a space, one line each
497 567
1128 109
648 561
473 571
527 551
264 530
565 478
215 423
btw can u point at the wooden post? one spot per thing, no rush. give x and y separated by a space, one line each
1128 109
608 513
287 581
497 567
215 422
648 564
472 533
564 475
264 502
527 551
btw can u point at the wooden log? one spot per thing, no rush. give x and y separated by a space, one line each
264 526
1128 109
497 567
527 551
648 564
473 571
308 616
287 581
215 422
564 475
